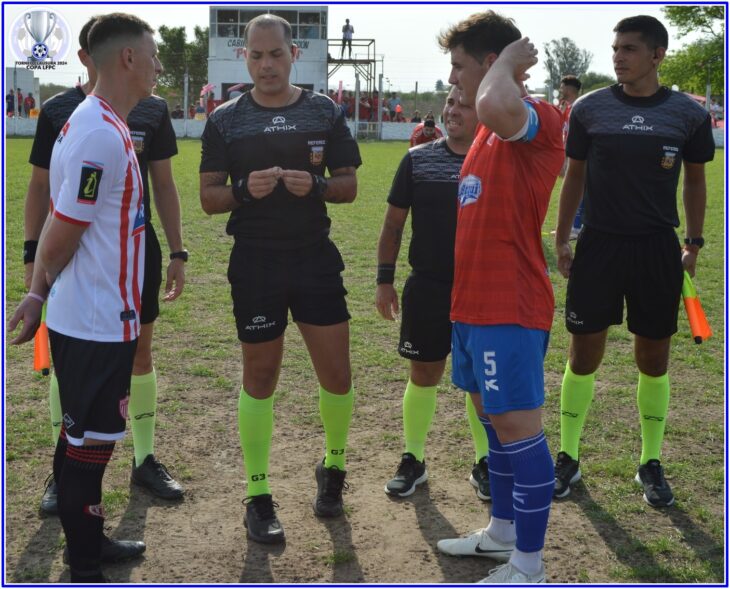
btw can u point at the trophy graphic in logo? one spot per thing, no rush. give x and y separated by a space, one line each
40 36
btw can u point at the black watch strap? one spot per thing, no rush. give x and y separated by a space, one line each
181 255
698 241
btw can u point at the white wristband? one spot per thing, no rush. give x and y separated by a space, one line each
37 297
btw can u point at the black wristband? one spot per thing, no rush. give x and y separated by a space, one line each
319 186
240 191
29 249
386 274
698 241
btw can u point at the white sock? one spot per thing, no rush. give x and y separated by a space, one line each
502 530
528 562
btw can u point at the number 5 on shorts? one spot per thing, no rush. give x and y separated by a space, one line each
490 369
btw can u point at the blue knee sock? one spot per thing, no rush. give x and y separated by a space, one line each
500 475
534 481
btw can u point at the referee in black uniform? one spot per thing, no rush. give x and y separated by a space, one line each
426 184
154 143
275 143
626 145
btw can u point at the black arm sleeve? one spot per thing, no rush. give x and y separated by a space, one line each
45 136
578 142
342 149
164 142
700 147
401 191
214 152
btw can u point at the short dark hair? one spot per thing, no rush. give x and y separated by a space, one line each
84 33
653 32
268 21
113 27
571 80
429 123
480 34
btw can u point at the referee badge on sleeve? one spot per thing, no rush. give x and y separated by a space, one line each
89 184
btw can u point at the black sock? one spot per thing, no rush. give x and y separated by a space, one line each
80 509
60 455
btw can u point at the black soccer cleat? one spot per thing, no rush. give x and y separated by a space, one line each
479 479
153 476
567 472
261 522
330 483
115 550
49 501
411 472
656 489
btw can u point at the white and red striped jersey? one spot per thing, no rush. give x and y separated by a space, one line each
96 182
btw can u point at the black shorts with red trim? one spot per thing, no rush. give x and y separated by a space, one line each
93 382
644 270
266 284
425 331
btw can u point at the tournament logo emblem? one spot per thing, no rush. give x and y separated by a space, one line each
137 141
316 155
95 510
40 39
89 184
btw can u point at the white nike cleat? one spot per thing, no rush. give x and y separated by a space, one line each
478 543
509 574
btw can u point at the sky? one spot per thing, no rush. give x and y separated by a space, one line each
405 35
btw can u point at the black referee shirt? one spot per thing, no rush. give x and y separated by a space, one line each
148 122
427 182
242 136
634 148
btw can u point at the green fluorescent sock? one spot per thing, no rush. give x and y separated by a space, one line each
576 396
255 426
335 412
419 406
478 433
54 399
652 397
142 414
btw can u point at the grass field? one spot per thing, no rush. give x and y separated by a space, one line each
603 534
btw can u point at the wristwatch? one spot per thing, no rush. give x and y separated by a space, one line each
181 255
698 242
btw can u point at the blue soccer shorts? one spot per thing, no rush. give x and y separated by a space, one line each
503 362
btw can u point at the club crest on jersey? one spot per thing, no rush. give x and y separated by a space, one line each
316 155
670 156
89 184
278 124
470 189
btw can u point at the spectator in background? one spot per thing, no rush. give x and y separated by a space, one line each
394 104
20 103
399 118
429 115
416 118
347 32
191 111
29 103
10 103
177 113
364 107
569 91
425 132
374 106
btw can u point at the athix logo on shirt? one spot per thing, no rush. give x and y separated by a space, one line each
278 123
470 189
637 124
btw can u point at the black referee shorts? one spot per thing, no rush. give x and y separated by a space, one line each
152 276
644 270
93 383
266 284
425 332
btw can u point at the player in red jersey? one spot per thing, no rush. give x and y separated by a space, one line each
502 299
